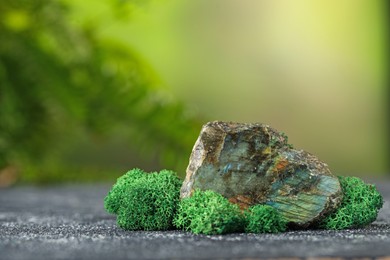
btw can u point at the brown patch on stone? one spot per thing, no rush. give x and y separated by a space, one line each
242 201
281 165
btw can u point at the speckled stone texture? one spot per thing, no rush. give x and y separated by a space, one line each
253 163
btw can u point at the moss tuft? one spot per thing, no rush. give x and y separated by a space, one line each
207 212
144 201
264 219
115 196
359 207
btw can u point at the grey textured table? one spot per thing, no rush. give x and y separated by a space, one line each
69 222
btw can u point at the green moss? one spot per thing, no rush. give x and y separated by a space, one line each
359 207
264 219
207 212
286 140
115 196
144 201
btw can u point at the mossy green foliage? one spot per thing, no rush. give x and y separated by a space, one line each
359 207
114 199
264 219
208 212
144 201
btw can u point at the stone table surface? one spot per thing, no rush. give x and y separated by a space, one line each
69 222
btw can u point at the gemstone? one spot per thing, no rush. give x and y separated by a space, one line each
253 164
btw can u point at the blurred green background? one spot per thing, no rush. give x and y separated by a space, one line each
89 89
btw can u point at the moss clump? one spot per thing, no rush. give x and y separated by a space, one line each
359 207
264 219
144 201
207 212
113 200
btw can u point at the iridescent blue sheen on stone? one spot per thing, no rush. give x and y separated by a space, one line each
254 164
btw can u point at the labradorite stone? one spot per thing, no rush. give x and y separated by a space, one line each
254 164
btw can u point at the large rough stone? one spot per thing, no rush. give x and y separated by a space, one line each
253 163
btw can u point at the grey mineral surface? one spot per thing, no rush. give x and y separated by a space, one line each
253 163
